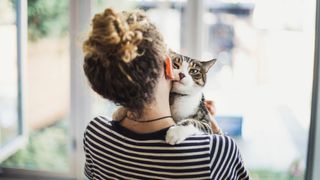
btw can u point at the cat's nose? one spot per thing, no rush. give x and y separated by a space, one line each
181 75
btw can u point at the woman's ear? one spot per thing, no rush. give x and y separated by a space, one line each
168 68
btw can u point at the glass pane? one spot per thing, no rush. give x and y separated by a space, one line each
46 89
8 74
263 79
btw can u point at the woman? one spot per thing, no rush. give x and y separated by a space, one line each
124 62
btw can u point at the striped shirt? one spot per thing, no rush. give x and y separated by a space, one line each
114 152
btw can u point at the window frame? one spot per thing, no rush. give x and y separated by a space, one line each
80 17
21 139
313 156
80 97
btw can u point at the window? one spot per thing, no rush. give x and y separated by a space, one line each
263 79
45 88
11 125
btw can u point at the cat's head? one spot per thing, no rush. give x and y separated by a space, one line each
190 74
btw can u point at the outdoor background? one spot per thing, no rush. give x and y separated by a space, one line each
261 83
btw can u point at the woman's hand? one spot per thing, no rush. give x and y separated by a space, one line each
212 110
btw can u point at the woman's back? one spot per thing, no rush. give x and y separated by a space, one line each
114 152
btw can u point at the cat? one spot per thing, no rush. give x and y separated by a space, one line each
186 99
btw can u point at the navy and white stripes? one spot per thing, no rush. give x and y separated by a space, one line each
114 152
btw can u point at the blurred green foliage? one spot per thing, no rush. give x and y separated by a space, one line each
265 174
47 149
47 18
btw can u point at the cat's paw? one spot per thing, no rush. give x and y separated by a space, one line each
177 134
119 114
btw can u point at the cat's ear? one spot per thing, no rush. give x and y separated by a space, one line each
208 64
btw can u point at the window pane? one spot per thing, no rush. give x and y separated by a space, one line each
262 80
8 74
46 89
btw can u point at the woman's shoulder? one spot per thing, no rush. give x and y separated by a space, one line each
217 144
225 158
99 123
216 141
100 120
222 141
222 144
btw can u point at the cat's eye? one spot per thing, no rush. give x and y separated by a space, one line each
194 71
177 60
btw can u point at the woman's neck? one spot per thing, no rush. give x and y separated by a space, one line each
157 109
143 128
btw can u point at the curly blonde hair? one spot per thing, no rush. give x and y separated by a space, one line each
124 55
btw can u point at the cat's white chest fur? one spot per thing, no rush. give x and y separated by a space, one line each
185 106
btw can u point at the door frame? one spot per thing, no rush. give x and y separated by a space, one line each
313 156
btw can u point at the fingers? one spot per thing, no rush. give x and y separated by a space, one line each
212 110
211 107
214 125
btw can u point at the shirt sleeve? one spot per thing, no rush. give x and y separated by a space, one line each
88 159
225 159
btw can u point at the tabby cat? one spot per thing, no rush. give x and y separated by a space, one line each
186 99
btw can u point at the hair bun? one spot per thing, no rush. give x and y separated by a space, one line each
129 50
113 35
